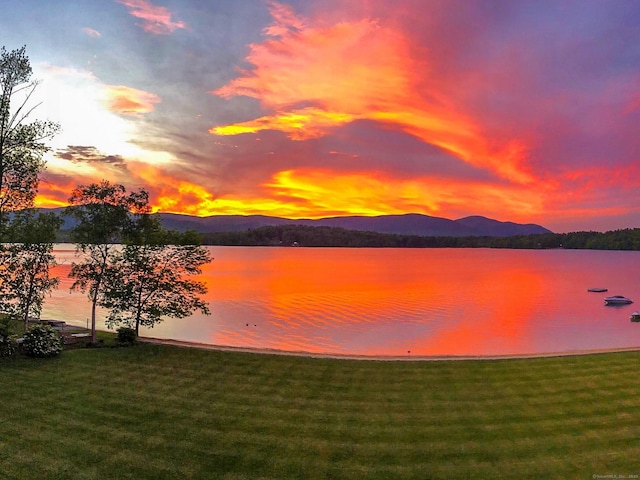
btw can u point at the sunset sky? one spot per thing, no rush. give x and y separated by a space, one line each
527 111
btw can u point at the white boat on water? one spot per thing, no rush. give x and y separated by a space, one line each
597 290
617 300
635 317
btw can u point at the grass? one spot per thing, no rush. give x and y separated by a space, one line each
156 412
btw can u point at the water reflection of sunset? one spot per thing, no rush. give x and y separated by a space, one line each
399 301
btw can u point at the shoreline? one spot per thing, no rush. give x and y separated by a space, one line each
381 358
373 358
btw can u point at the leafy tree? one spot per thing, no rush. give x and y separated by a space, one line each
102 212
21 144
25 277
150 276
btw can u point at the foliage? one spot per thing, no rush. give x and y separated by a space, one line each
146 278
8 345
26 240
302 235
21 144
102 211
150 276
626 239
42 341
24 278
126 336
289 235
5 326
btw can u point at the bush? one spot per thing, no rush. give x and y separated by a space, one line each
8 345
126 336
5 329
42 341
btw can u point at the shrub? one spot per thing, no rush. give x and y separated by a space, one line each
42 341
5 329
126 336
8 345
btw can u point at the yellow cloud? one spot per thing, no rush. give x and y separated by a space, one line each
299 124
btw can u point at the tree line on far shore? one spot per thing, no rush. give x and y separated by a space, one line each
307 236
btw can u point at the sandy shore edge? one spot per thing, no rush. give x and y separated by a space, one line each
380 358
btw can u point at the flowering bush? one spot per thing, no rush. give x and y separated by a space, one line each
42 341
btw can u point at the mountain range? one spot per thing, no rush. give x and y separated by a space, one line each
407 224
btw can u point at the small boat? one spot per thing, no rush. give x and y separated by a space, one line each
597 290
617 300
635 317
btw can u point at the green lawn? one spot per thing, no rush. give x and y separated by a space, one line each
157 412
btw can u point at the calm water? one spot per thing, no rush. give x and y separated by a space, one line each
396 301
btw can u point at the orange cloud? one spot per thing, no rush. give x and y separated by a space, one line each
319 193
53 197
597 191
155 19
54 189
130 101
308 193
315 193
358 70
349 194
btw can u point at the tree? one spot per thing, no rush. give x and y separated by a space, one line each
102 212
21 144
26 262
24 271
150 276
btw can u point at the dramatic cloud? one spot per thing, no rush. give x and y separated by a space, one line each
378 193
155 19
55 189
358 70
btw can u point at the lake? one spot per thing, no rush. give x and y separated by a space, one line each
399 301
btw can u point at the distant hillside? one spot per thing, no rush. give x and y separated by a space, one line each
411 230
409 224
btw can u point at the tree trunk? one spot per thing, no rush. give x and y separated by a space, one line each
26 320
138 312
93 320
94 302
28 302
